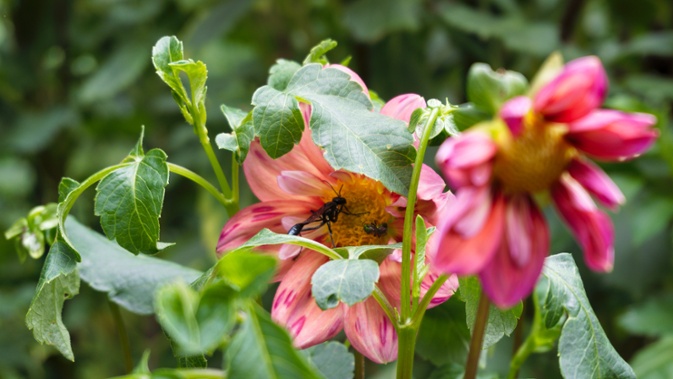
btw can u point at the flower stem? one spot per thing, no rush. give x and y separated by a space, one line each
477 337
229 205
406 338
123 336
522 353
359 365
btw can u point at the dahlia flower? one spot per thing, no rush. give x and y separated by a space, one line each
290 188
537 145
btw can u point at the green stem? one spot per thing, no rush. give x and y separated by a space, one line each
359 365
526 349
201 373
477 337
235 194
123 336
406 339
196 178
425 302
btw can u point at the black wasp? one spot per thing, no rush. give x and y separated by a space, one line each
375 229
326 215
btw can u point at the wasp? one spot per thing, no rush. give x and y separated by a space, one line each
326 215
375 229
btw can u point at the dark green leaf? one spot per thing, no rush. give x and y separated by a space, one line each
59 281
277 120
281 73
129 201
500 322
332 360
584 350
655 361
129 280
346 280
196 322
651 318
467 115
66 186
317 54
248 273
443 337
261 349
488 89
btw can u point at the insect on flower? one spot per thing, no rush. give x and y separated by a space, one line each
326 215
375 229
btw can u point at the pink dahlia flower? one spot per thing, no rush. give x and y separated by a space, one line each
495 228
290 188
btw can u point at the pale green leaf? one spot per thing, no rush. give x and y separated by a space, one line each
332 359
281 73
248 273
488 89
651 318
317 54
655 361
344 280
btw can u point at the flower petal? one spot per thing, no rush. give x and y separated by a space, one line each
294 307
591 227
594 180
371 332
430 184
302 183
466 159
465 255
513 113
577 90
613 135
401 107
250 220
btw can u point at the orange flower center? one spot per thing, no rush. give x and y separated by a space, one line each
366 202
535 159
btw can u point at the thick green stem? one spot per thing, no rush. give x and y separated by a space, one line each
196 178
123 336
359 365
477 337
526 349
235 192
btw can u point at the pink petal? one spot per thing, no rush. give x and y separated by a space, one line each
467 159
250 220
613 135
513 113
430 184
302 183
371 332
401 107
577 90
445 291
591 227
465 256
295 308
594 180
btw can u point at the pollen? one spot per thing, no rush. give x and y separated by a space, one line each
366 202
535 159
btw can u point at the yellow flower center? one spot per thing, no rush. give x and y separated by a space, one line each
366 200
535 159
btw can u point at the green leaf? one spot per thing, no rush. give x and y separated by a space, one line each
500 322
281 73
267 237
143 366
248 273
584 349
374 252
347 280
262 349
238 141
353 137
129 280
655 361
31 232
488 89
196 75
164 52
58 282
317 54
196 322
332 359
443 337
468 115
65 186
651 318
129 200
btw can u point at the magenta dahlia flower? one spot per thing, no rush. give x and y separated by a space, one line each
495 228
290 188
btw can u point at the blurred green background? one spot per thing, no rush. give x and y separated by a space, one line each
76 84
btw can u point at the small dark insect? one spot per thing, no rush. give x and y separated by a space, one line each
326 215
375 229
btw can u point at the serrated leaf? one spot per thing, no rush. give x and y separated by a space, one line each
281 73
488 89
197 322
248 273
267 237
65 186
262 349
317 54
164 52
346 280
243 132
500 322
655 361
59 281
196 75
129 201
332 359
584 349
129 280
353 137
